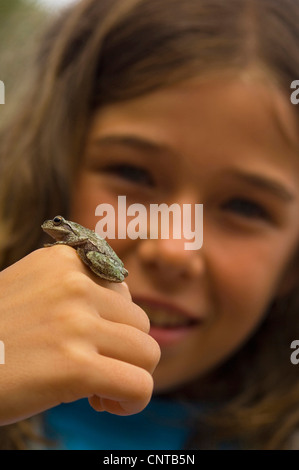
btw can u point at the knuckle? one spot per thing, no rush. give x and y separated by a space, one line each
144 384
74 371
147 324
156 352
76 283
121 288
77 323
152 353
71 322
76 361
65 254
143 319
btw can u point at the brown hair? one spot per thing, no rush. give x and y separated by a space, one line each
99 52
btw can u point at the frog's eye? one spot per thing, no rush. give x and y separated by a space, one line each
57 220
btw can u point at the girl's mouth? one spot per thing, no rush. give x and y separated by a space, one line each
169 324
164 319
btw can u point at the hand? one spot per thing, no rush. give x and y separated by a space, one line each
69 335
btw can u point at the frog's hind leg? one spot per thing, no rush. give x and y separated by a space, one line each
74 243
46 245
105 267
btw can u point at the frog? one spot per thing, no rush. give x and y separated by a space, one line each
92 249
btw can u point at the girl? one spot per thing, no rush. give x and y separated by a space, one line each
163 102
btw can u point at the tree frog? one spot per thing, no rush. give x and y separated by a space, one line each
91 248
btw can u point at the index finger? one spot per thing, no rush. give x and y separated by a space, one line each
120 287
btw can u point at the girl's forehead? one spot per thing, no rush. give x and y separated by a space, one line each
250 90
217 112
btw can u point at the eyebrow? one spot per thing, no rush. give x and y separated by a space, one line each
265 183
155 148
135 142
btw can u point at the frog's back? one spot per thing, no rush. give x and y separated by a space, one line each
97 243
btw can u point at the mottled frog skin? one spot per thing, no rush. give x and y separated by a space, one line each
93 250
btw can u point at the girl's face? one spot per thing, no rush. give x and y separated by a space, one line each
231 146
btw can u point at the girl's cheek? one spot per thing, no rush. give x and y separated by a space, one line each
86 199
244 272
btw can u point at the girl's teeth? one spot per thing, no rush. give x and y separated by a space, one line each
159 317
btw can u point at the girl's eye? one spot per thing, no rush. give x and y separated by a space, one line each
131 173
246 208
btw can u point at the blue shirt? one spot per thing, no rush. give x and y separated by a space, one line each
164 424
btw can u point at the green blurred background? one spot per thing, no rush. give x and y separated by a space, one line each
21 24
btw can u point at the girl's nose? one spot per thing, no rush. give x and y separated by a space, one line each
168 260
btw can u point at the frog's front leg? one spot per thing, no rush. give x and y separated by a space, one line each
105 267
